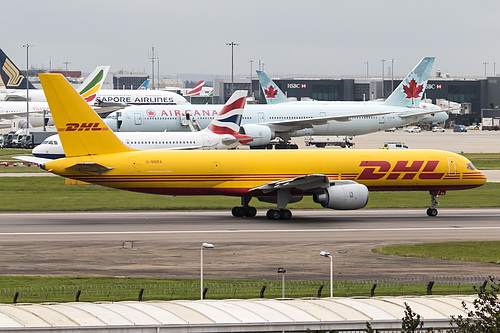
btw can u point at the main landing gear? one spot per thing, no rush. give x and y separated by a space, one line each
283 197
244 210
279 214
432 211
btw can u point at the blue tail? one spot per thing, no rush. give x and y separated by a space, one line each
11 75
144 85
273 93
410 91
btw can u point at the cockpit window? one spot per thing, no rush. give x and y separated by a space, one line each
471 166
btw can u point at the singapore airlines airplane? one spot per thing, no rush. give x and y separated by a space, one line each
286 120
222 133
337 179
14 104
104 98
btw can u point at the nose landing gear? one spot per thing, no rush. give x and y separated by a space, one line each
432 211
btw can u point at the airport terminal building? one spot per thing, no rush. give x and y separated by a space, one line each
466 97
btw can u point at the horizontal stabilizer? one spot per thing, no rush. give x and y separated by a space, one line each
32 159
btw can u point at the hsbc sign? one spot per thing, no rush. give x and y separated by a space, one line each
296 86
433 86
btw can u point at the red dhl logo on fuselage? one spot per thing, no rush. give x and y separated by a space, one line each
72 127
379 169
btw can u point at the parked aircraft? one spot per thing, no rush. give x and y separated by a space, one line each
337 179
286 120
222 133
105 98
274 95
15 104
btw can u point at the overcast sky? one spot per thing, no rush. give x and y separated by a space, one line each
331 38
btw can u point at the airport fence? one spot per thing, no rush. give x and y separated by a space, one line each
236 289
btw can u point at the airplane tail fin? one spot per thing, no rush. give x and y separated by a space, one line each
81 130
410 91
273 93
196 90
89 88
12 77
144 85
229 118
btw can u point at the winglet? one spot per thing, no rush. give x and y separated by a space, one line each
81 130
273 93
410 91
11 75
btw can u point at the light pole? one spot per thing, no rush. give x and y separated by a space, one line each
251 77
383 92
485 63
66 63
203 246
328 255
27 46
392 74
282 271
232 44
367 68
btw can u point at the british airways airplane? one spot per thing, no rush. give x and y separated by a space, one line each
265 122
222 133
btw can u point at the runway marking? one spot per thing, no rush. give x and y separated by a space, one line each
230 231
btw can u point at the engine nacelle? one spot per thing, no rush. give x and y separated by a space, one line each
343 196
262 134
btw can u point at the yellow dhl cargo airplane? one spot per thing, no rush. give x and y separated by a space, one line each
338 179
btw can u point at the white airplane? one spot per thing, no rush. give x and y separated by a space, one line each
15 89
285 120
222 133
13 104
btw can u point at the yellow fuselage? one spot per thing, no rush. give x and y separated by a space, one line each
236 172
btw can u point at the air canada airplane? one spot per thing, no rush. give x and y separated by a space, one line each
337 179
285 120
222 133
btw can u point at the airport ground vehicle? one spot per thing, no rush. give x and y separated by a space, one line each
333 140
437 129
459 128
395 145
34 139
413 129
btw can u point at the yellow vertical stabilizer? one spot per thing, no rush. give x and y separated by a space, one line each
81 130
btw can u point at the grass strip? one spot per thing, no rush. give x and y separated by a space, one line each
38 289
52 194
484 251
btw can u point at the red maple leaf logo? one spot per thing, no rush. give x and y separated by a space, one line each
271 92
412 90
151 113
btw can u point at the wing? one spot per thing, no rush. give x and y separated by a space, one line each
307 183
295 125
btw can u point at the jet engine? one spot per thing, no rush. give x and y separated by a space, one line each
343 197
261 134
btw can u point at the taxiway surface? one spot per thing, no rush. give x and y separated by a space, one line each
167 244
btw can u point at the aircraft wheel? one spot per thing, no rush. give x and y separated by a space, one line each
273 214
285 214
238 211
432 212
250 211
